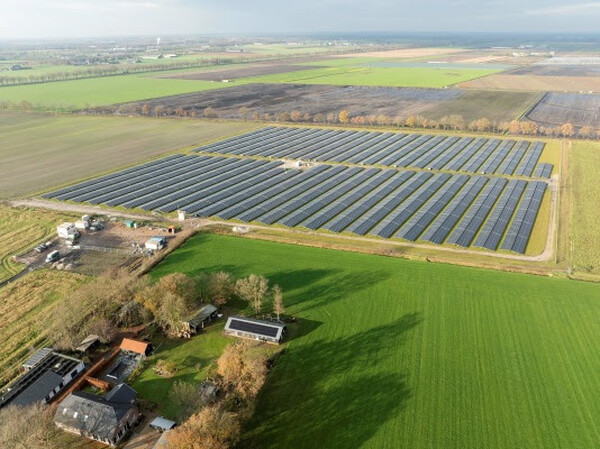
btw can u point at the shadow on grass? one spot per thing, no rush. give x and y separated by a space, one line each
309 289
332 393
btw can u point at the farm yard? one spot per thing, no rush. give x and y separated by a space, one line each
555 109
243 101
387 358
42 151
486 212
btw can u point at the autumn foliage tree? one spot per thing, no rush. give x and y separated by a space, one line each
278 307
344 116
242 370
211 428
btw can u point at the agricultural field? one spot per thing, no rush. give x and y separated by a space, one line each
234 73
274 99
84 93
385 358
555 109
26 306
360 75
20 230
489 212
533 83
410 53
40 151
585 226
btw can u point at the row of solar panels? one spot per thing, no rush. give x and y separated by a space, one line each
460 209
474 155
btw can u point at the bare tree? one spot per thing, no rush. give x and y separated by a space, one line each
278 307
253 289
220 288
29 427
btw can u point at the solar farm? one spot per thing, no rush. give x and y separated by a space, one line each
461 191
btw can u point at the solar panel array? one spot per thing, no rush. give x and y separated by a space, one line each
445 153
460 209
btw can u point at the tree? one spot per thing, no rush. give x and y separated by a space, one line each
514 127
283 117
296 115
344 116
411 121
319 117
242 370
146 109
171 313
528 128
209 112
456 122
253 289
587 132
244 112
159 110
567 130
187 397
278 307
211 428
331 117
29 427
181 285
220 288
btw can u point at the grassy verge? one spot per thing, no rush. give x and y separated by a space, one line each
393 353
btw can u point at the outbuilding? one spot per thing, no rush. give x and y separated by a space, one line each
203 316
155 243
162 424
136 346
67 230
267 331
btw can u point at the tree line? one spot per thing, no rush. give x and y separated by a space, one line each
454 122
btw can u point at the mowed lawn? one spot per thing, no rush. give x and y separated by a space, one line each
77 94
42 151
195 358
393 353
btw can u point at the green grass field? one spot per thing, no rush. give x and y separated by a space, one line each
39 151
344 73
76 94
393 353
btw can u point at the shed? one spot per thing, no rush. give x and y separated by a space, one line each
206 314
66 230
162 424
267 331
136 346
155 243
130 223
88 342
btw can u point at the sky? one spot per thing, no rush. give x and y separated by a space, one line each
33 19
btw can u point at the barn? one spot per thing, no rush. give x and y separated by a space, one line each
267 331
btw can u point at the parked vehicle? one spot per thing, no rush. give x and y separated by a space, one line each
41 248
53 256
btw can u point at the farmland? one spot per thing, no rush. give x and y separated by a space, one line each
554 109
585 227
275 99
41 151
385 358
534 83
385 203
20 230
377 76
234 73
77 94
25 307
